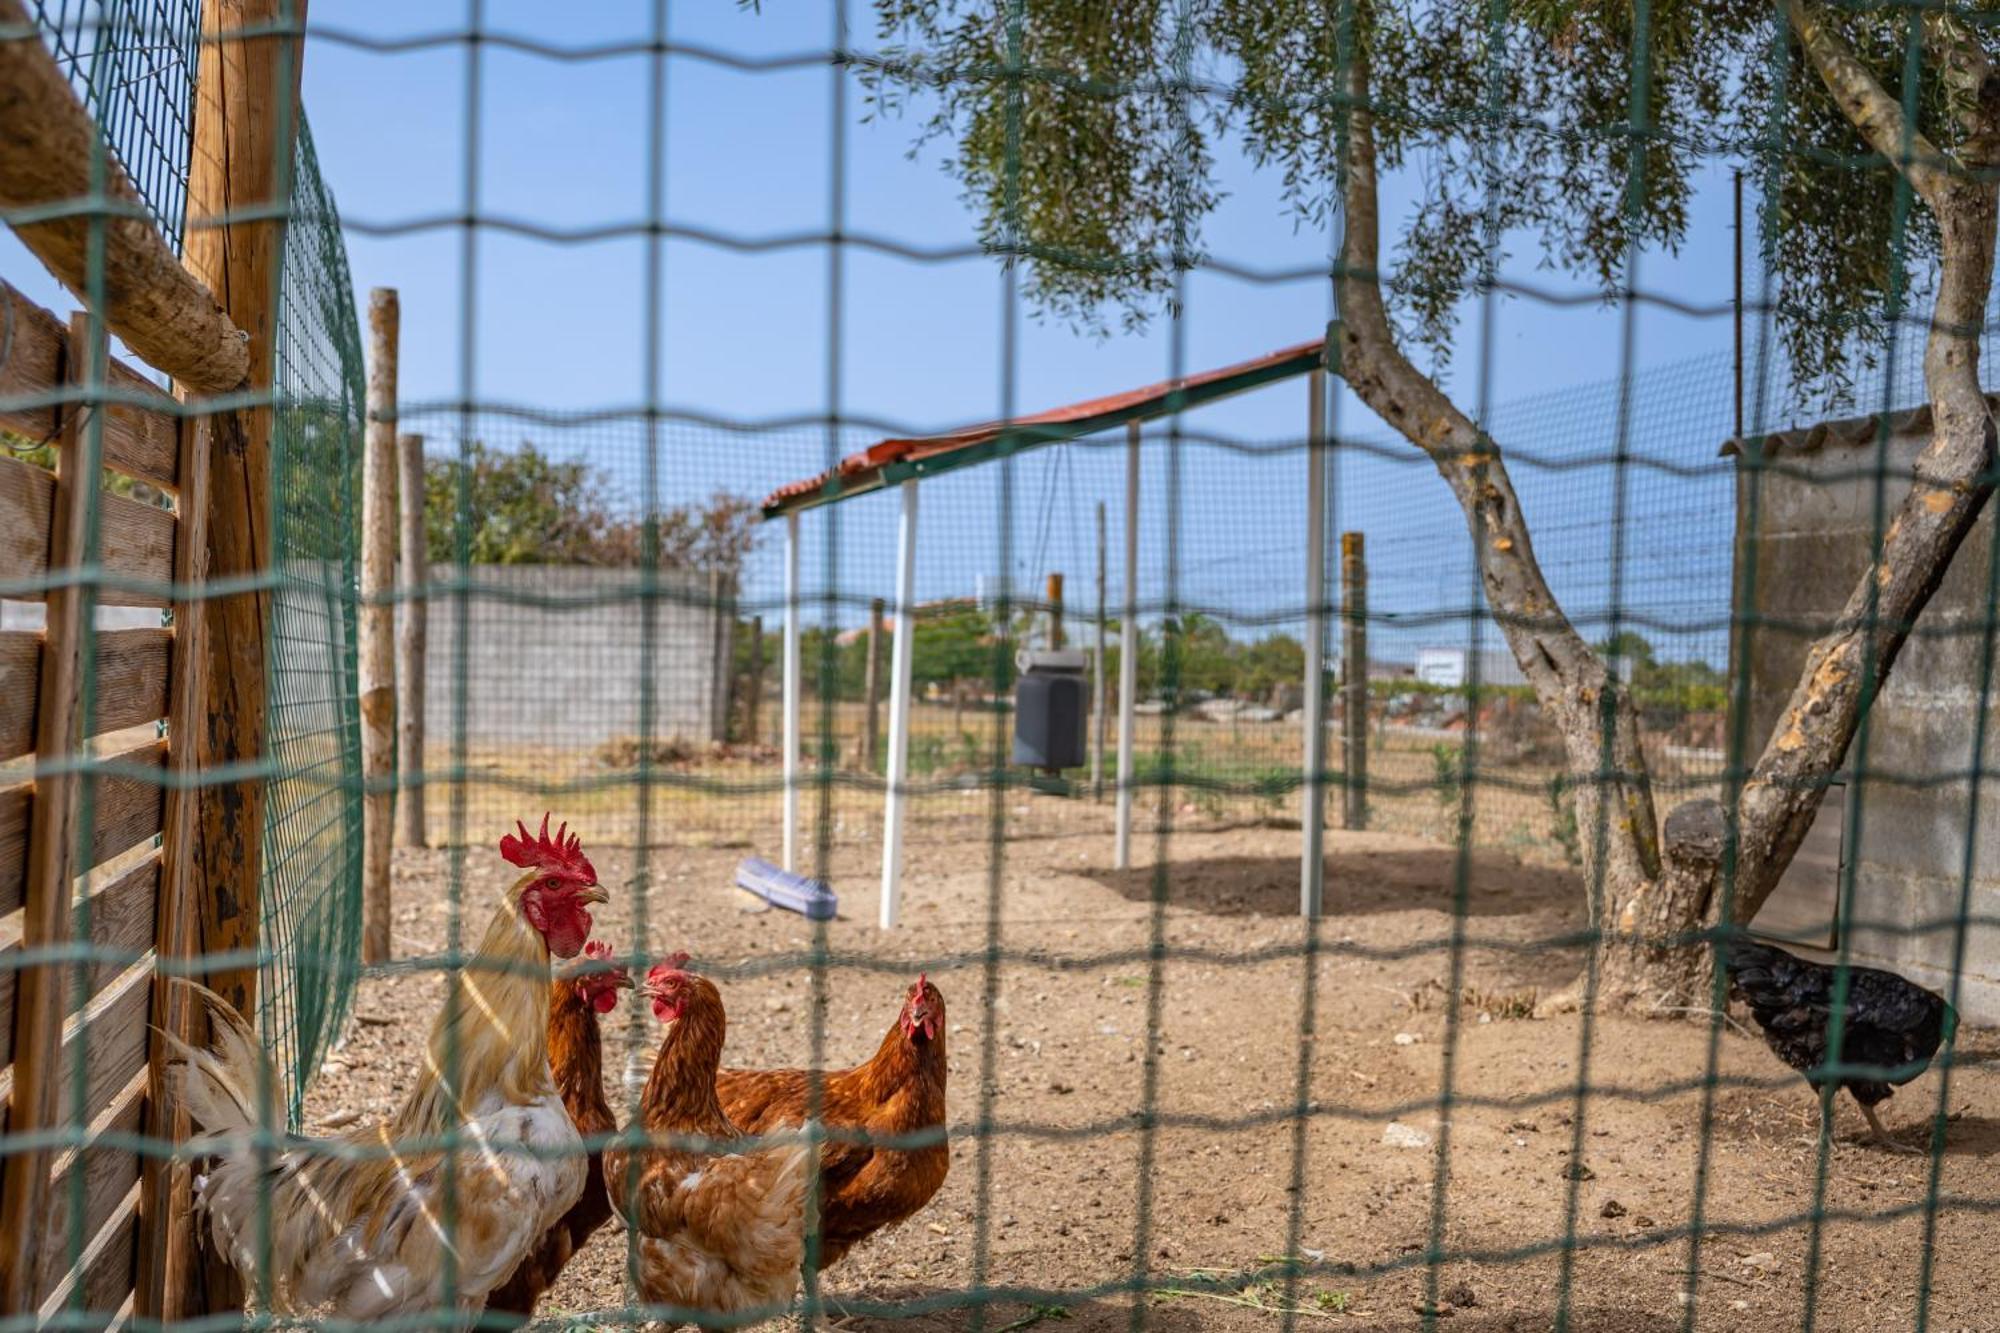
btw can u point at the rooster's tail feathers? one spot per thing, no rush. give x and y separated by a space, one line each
222 1087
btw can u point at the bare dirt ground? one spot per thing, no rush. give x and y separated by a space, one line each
1064 1040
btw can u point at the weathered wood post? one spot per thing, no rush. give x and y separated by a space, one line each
412 645
377 627
1354 681
755 696
239 188
871 691
1055 612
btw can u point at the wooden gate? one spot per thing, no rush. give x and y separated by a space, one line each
77 1032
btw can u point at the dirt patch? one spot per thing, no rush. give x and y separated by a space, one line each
1061 1047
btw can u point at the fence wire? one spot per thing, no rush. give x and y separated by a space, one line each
1173 1102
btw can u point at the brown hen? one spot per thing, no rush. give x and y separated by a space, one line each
898 1093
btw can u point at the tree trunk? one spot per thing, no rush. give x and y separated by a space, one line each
1617 828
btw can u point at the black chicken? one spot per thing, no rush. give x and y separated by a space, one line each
1891 1024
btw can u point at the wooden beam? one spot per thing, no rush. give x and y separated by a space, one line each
412 645
165 1279
377 627
51 852
246 99
49 150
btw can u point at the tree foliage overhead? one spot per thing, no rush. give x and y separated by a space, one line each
1512 128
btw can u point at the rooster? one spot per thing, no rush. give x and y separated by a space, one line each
1891 1026
898 1093
576 1058
356 1229
719 1230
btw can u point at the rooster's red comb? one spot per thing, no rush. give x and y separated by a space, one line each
561 855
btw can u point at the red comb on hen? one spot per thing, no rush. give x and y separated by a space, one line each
561 856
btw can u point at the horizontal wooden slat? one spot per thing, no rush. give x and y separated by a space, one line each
113 1031
136 441
122 916
27 508
32 364
135 540
107 1175
125 811
110 1264
20 687
131 676
32 340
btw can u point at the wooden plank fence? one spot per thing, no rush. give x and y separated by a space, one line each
124 885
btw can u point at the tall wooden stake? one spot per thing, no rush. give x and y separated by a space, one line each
377 628
871 691
412 644
755 696
246 115
1055 613
1354 680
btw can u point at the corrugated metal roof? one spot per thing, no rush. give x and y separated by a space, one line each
894 460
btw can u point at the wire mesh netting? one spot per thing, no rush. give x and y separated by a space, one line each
134 63
1351 807
312 822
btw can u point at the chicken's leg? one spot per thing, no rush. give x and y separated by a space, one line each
1880 1137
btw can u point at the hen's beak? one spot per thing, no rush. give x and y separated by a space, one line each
593 894
623 980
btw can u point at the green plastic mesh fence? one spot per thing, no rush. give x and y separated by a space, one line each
1360 949
312 821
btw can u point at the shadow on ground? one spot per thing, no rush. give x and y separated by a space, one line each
1359 883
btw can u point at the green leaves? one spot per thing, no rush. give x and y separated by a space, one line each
1556 133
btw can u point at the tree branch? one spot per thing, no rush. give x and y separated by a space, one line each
1878 116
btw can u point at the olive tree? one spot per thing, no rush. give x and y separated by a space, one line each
1573 132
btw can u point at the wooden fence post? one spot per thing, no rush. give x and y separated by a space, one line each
52 840
377 628
412 645
871 691
1354 681
246 113
166 1270
751 735
1055 612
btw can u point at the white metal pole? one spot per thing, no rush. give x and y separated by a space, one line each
791 701
1098 722
1128 648
1312 817
899 706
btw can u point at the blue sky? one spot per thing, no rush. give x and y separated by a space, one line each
555 326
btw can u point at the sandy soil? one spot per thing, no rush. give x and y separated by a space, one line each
1062 1048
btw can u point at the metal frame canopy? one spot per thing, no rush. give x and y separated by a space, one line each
903 462
896 460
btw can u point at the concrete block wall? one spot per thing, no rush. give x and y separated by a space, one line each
556 657
1906 835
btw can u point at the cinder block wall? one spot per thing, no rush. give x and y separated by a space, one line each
1808 527
557 655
